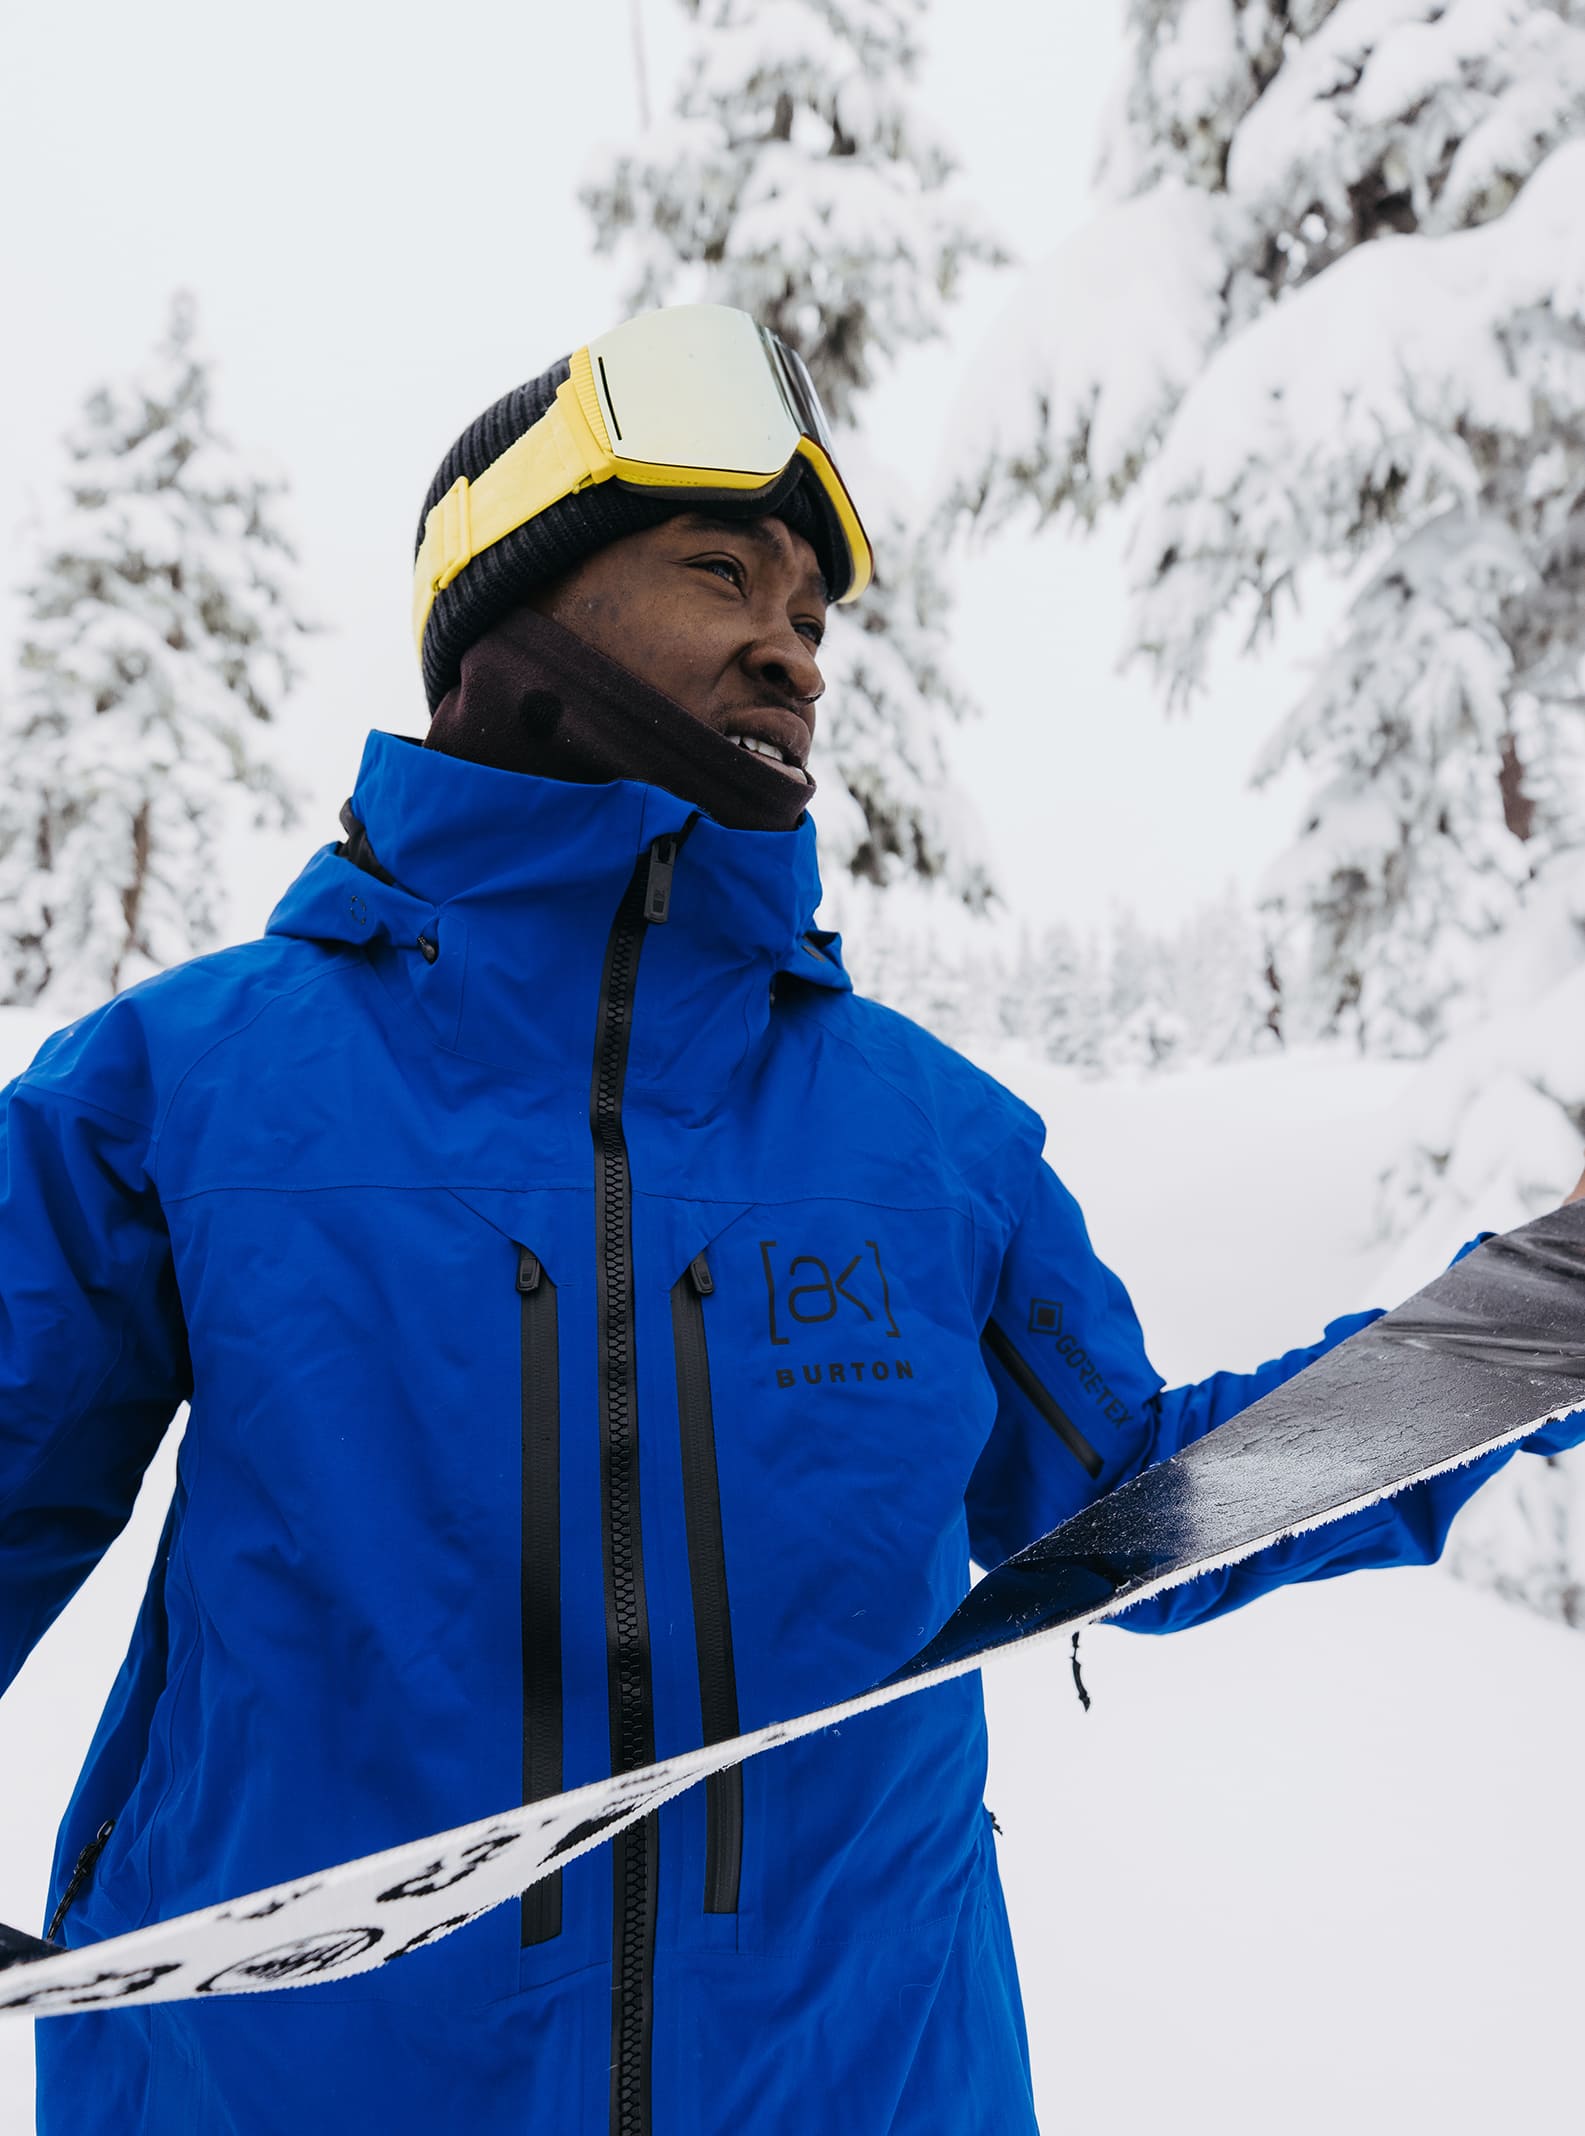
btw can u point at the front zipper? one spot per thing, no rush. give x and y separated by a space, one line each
635 1851
78 1878
540 1585
1034 1389
712 1609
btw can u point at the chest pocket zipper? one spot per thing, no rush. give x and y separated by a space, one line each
541 1570
712 1611
1045 1404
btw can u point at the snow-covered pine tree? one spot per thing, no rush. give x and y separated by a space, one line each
797 178
1062 987
157 638
1331 313
1143 1028
1131 1000
1217 983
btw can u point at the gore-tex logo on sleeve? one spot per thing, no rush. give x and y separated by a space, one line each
1045 1318
807 1290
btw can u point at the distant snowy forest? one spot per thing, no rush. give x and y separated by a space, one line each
1325 329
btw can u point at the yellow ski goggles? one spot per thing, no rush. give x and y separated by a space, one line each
697 400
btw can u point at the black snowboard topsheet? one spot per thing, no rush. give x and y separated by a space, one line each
17 1948
1495 1344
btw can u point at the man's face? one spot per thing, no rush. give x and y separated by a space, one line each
726 616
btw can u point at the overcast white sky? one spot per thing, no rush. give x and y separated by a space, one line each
376 208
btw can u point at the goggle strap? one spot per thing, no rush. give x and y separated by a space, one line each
554 457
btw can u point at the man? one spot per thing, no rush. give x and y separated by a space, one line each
603 1332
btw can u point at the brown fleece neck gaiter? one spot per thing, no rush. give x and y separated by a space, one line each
533 697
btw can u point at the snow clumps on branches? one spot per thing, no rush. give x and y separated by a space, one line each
1331 312
158 637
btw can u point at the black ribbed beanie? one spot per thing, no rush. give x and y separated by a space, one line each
503 576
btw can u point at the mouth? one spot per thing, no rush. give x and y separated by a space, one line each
774 735
770 753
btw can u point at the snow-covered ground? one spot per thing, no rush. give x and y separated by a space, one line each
1314 1867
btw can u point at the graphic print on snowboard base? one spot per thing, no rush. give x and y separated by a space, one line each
1485 1355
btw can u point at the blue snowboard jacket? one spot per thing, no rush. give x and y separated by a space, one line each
603 1332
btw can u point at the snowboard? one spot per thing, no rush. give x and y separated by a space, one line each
1485 1355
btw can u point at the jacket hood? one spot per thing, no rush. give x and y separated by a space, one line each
496 892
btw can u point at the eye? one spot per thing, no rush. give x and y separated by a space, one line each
813 631
725 567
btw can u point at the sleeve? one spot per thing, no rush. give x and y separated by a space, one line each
1081 1409
93 1348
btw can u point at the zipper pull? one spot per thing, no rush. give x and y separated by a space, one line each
700 1277
657 885
528 1271
79 1876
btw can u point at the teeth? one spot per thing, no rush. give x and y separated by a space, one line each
759 748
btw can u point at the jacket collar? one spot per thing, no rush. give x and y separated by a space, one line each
499 897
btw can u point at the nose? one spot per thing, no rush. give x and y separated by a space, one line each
783 660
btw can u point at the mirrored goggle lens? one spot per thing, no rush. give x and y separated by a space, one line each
691 389
798 389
